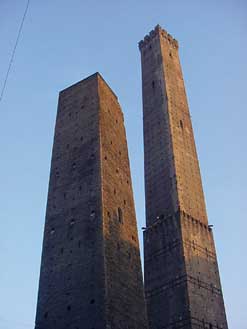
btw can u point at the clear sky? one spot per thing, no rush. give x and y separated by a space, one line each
65 41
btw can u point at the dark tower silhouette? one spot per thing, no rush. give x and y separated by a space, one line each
91 271
182 283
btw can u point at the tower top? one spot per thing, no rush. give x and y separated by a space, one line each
162 33
96 75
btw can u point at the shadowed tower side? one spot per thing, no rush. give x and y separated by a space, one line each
90 271
182 283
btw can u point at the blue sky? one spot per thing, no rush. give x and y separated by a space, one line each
65 41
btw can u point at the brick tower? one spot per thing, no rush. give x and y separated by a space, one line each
182 283
91 274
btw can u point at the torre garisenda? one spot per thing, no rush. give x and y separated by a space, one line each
91 274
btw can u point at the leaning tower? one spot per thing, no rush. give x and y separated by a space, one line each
182 283
91 274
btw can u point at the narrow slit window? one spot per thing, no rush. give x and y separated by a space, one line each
120 215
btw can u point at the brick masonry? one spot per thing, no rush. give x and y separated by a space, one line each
182 283
91 274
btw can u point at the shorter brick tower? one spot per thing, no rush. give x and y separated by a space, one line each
182 282
91 274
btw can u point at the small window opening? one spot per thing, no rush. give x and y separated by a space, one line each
153 84
69 308
46 315
92 214
92 301
52 231
81 139
120 215
181 124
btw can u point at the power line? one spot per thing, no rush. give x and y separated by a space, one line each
14 50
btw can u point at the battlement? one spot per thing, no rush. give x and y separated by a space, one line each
162 33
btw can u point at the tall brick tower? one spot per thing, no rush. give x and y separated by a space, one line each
90 272
182 283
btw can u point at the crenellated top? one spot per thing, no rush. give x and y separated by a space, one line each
162 33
